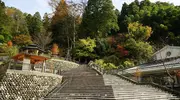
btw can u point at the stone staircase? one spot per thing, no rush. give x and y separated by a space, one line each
83 83
124 90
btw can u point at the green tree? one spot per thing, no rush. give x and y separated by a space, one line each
37 23
46 22
29 21
85 49
5 26
138 50
18 21
98 19
34 24
162 17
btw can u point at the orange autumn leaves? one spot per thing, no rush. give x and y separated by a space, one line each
55 49
9 44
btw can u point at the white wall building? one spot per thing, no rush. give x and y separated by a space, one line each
167 52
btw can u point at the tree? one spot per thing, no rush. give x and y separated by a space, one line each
162 17
98 19
85 49
34 24
55 49
46 22
60 25
37 23
5 26
64 25
18 21
139 32
138 50
29 21
22 40
43 39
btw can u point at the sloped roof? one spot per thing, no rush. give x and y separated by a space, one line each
34 58
167 46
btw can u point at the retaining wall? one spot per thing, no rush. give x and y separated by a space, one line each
27 85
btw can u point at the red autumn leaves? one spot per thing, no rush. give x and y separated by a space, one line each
122 51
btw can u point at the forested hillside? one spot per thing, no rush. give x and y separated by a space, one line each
94 30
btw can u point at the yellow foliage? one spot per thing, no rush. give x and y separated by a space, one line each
138 31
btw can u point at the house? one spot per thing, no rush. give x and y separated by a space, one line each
167 52
166 59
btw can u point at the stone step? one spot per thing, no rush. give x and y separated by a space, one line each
127 91
88 87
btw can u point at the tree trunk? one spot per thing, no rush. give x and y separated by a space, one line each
74 35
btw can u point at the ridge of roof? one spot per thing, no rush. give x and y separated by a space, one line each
167 46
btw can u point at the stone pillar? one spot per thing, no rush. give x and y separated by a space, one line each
44 66
26 64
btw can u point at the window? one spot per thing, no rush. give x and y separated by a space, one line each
168 54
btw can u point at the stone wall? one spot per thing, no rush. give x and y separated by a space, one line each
62 65
27 85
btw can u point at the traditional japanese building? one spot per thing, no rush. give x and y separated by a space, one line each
29 56
164 65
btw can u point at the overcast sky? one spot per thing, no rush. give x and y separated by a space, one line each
32 6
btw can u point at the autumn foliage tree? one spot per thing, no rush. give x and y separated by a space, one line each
139 32
22 40
122 50
9 44
55 49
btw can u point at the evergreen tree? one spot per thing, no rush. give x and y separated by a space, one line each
98 19
46 22
37 23
60 25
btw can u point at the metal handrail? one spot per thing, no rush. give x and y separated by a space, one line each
56 89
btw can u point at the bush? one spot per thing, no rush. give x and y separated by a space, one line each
128 63
9 51
107 66
112 59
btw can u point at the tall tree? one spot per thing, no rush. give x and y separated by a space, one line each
99 18
46 22
43 39
60 24
34 24
37 23
65 23
29 21
5 31
19 25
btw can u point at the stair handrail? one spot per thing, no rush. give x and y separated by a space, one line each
56 89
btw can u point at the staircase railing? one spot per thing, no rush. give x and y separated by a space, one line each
56 89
